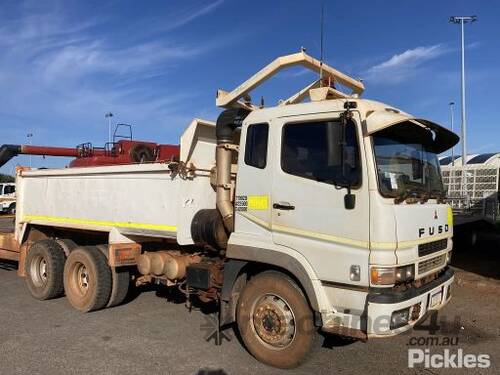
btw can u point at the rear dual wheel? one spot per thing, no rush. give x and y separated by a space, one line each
90 284
44 269
120 282
87 279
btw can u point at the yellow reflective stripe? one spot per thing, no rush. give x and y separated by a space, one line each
342 240
404 244
256 220
100 223
383 245
321 236
304 233
407 244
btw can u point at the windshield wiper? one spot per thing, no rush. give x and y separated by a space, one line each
422 195
408 193
438 194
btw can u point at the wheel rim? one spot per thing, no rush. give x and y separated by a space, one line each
38 271
273 321
80 279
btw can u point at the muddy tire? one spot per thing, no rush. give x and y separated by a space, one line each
44 267
120 281
119 290
87 279
67 245
275 321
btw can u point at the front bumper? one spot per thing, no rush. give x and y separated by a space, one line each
418 301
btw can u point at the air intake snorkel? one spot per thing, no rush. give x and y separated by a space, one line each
227 122
212 226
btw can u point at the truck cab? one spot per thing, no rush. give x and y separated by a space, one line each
357 204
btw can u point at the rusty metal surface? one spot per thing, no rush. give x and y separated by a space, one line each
7 242
124 254
344 331
7 223
9 247
9 255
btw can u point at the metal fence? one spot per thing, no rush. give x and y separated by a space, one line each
473 189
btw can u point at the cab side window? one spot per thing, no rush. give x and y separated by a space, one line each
313 150
9 189
256 145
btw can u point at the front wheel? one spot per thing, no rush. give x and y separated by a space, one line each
275 320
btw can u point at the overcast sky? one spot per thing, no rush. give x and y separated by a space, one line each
157 64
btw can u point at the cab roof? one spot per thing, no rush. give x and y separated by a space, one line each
375 116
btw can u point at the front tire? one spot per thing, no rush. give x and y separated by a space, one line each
87 279
44 269
275 320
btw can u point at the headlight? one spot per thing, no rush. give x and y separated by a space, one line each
448 257
391 275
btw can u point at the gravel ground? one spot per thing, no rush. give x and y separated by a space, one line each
154 335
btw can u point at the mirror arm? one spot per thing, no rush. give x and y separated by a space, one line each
349 198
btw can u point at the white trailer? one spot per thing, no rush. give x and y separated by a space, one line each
322 215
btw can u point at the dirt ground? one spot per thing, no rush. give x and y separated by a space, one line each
150 334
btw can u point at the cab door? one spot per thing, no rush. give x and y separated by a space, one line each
253 188
308 210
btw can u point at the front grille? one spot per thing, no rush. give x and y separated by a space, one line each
430 264
431 247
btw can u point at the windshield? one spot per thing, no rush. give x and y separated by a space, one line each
407 164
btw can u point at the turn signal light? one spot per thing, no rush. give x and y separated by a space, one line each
382 276
391 275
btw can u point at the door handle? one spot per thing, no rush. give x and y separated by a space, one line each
283 206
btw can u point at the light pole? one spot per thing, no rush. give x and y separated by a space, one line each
462 20
108 116
29 136
452 105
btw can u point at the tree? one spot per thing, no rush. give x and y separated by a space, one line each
6 178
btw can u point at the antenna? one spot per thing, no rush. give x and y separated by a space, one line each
321 45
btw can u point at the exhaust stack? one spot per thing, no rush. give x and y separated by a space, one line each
227 122
210 227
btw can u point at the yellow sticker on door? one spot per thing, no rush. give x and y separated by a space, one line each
258 202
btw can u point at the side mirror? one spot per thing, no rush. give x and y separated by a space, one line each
349 201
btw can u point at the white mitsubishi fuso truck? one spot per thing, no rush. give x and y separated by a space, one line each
323 213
